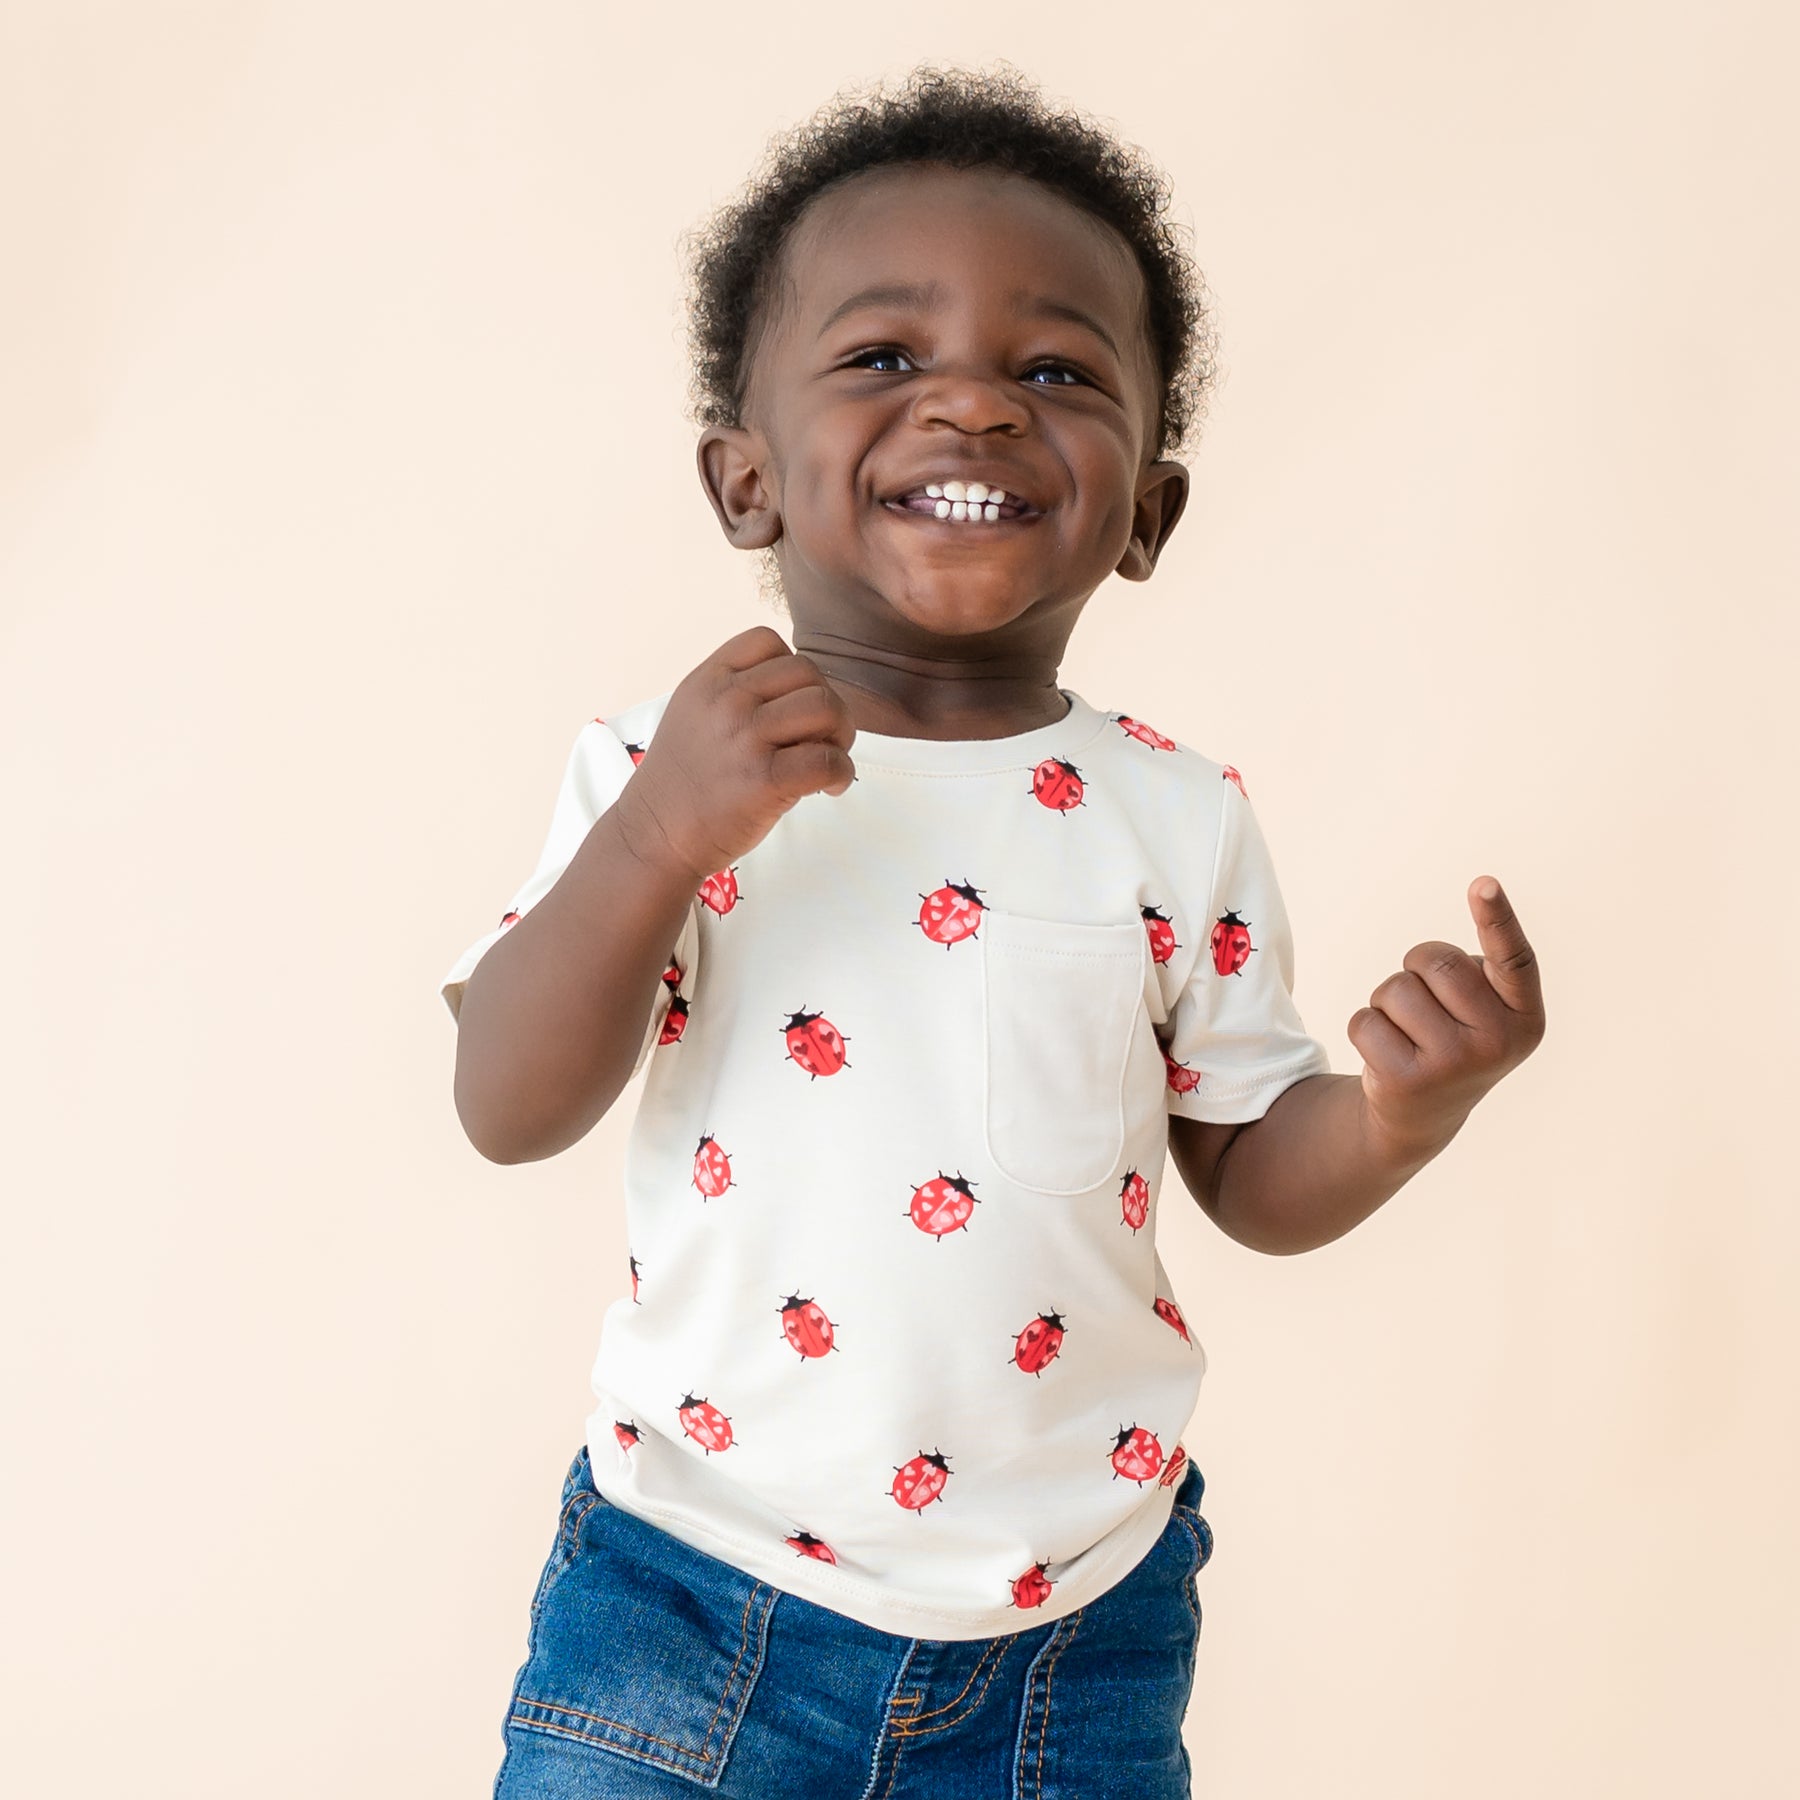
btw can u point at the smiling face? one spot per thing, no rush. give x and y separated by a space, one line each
937 326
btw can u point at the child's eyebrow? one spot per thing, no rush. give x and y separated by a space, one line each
1028 306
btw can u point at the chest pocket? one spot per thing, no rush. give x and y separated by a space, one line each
1060 1007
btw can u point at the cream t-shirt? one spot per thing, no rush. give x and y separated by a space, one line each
897 1337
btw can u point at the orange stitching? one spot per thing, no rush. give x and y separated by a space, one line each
588 1737
886 1745
1003 1646
1049 1671
575 1712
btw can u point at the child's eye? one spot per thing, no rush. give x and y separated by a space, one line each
866 359
1056 368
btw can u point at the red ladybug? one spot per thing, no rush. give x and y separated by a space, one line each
636 753
814 1043
1161 933
1170 1314
808 1545
1231 947
950 913
1231 775
1181 1078
626 1432
634 1279
675 1021
1136 1454
1134 1200
943 1204
919 1482
712 1169
806 1327
1177 1462
508 920
1057 784
720 891
1039 1342
1138 729
1031 1589
673 973
705 1424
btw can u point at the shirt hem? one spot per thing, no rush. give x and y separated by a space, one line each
822 1585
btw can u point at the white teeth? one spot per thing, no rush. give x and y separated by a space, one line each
978 491
997 496
942 509
990 513
958 510
954 490
933 491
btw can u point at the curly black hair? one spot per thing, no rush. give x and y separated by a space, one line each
964 120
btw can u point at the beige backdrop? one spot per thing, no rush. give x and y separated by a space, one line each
343 475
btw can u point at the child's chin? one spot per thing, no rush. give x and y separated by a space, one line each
958 604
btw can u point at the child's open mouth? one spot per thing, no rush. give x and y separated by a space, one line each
963 502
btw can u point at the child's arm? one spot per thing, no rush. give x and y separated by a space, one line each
554 1014
1332 1148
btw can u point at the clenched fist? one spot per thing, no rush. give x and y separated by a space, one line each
749 732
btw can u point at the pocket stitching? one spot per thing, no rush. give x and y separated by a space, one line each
685 1757
1115 1082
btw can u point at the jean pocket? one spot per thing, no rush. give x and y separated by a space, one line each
1061 1003
579 1498
642 1647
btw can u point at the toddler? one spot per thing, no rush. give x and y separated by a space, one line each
932 966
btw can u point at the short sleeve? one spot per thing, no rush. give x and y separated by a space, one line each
1234 1038
595 775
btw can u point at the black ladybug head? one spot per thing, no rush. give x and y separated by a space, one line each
1055 1319
1231 918
793 1301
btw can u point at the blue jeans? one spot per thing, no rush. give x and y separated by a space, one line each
657 1670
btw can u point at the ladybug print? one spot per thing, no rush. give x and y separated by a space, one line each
634 1281
1182 1079
674 1022
1177 1462
1057 784
508 920
705 1424
919 1482
636 753
1031 1589
1136 1454
672 974
1138 729
808 1545
1170 1314
943 1204
1134 1200
1161 934
1038 1343
950 913
814 1043
627 1434
1231 947
720 891
806 1327
712 1169
1230 774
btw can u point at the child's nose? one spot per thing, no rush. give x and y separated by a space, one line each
971 400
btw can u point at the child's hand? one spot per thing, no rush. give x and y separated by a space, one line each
748 733
1435 1038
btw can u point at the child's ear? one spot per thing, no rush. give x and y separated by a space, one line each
732 461
1162 498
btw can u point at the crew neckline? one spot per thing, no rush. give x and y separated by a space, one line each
981 756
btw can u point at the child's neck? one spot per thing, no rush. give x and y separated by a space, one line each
898 694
